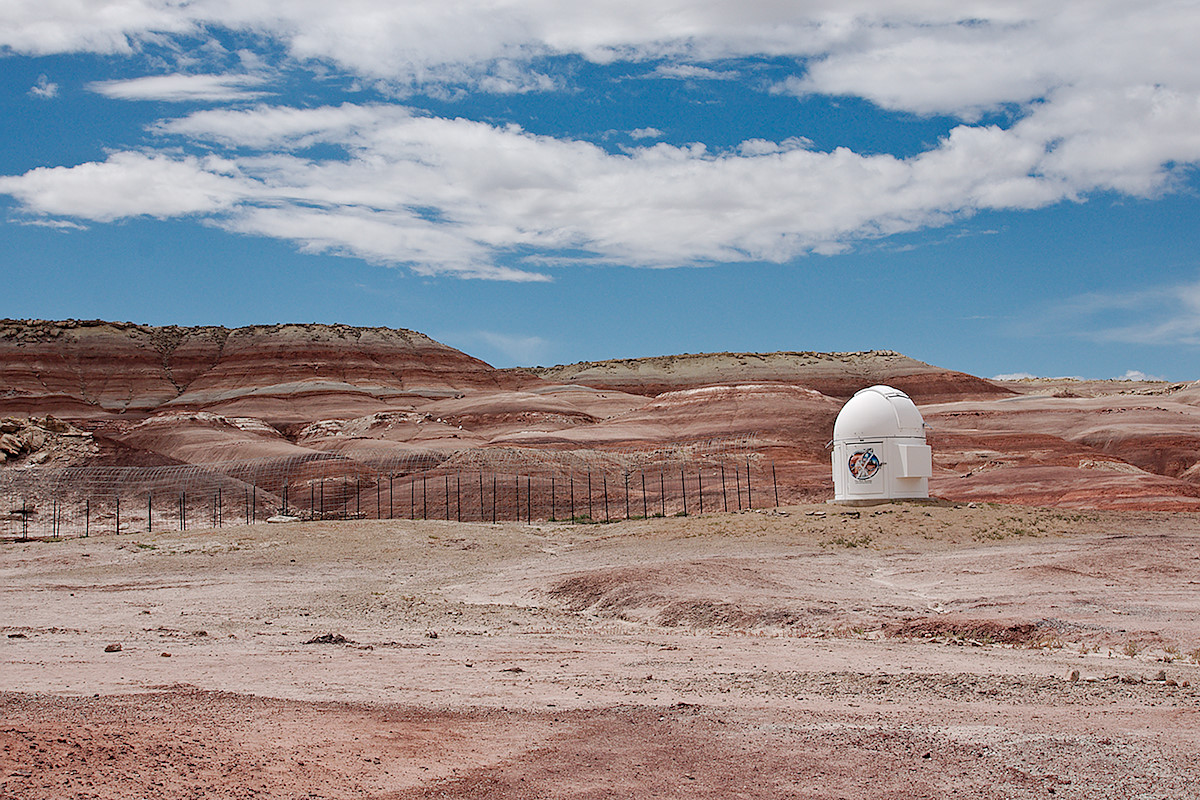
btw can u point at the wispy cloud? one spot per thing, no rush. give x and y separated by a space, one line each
692 72
44 89
1138 375
183 88
506 349
1165 315
53 224
646 133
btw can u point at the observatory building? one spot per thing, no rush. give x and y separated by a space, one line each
879 450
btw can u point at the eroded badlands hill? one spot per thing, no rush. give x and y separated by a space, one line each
146 396
281 373
837 375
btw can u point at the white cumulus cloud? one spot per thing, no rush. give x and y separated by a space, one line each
453 195
1078 97
128 185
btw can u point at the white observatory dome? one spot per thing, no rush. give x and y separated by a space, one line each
879 450
878 411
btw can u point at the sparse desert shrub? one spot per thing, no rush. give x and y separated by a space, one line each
1131 648
863 540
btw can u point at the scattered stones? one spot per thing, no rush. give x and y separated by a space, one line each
43 440
329 638
1073 676
10 444
113 648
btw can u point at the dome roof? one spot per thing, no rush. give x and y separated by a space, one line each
878 412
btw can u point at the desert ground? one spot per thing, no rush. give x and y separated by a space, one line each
900 651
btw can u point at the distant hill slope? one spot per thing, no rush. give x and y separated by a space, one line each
837 375
283 373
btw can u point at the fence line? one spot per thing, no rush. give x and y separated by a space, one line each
479 485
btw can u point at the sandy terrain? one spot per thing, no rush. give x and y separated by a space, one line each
900 651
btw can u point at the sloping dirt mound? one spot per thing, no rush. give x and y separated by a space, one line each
1158 434
712 614
202 437
712 594
609 592
778 413
498 414
1070 487
980 631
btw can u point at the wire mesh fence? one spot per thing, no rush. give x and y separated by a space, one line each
476 485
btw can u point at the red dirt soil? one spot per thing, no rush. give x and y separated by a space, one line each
902 652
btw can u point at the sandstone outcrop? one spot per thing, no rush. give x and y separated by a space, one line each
45 441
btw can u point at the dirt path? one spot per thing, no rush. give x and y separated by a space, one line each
901 651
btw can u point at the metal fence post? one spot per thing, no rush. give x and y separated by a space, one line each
662 493
645 510
605 475
626 495
683 488
749 497
724 496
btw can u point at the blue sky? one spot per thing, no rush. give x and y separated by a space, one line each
998 188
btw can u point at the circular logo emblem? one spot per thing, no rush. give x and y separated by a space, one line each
864 464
